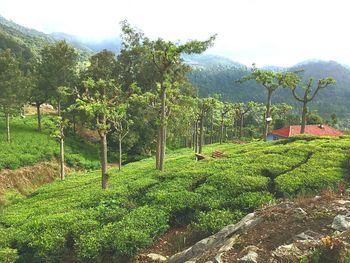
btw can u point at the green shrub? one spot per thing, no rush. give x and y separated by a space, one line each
250 201
213 221
8 255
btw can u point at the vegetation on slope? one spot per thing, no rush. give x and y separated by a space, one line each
29 147
222 79
76 217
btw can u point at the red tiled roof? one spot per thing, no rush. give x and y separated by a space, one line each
316 130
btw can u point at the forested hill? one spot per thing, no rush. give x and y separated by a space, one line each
222 78
26 42
211 74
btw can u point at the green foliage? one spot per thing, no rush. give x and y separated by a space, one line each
8 255
250 201
76 216
213 221
29 147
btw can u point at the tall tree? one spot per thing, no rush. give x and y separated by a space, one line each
225 109
14 90
309 95
103 99
121 124
241 109
167 71
204 106
57 71
271 81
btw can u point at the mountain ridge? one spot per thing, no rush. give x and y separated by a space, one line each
211 73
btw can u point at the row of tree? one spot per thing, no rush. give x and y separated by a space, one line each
141 95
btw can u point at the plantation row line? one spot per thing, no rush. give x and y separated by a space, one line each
140 97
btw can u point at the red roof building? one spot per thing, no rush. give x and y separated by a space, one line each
316 130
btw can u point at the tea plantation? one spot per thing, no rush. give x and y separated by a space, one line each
76 218
29 147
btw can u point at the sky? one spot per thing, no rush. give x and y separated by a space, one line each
265 32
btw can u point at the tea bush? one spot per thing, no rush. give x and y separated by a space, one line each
76 217
213 221
28 147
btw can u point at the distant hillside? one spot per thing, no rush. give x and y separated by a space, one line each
223 79
27 42
211 74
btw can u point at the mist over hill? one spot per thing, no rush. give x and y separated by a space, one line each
211 74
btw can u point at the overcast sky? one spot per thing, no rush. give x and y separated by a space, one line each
265 32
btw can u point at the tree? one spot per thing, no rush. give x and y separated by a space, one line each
271 81
334 119
309 96
241 109
57 72
168 71
225 109
121 124
103 100
13 88
204 106
314 118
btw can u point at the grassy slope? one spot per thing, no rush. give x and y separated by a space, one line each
141 203
29 147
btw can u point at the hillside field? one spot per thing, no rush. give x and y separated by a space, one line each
28 147
75 219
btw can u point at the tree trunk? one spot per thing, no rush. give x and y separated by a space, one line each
38 112
200 146
241 127
158 149
303 118
196 137
222 130
162 142
212 128
120 152
8 127
103 145
267 114
74 124
62 172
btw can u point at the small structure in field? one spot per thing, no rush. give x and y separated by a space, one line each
316 130
217 154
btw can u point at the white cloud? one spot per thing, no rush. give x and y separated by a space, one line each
281 32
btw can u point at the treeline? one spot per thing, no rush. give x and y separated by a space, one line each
140 100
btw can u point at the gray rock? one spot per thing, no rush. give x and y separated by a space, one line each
157 257
300 211
308 235
286 251
343 202
317 197
215 241
341 223
251 257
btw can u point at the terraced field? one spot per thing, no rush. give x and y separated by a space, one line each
75 219
28 147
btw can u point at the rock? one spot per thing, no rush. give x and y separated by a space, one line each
317 197
308 235
157 257
341 223
251 257
215 241
343 202
300 211
218 258
229 244
287 252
